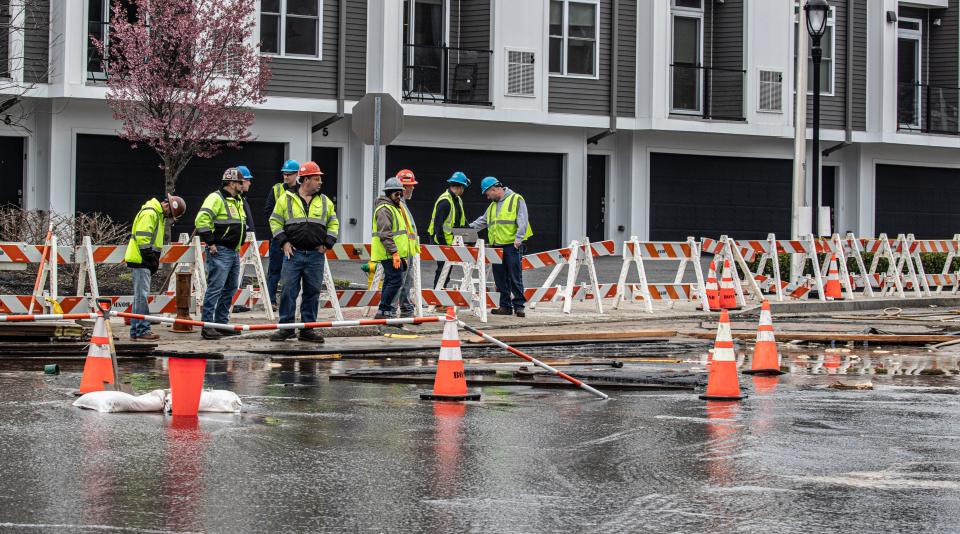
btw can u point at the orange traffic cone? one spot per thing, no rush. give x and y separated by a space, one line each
766 359
831 289
728 297
710 287
723 382
98 367
450 382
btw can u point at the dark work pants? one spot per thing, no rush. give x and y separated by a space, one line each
392 280
509 278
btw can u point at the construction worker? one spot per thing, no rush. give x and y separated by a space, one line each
143 256
304 224
408 180
290 171
508 227
247 181
448 213
390 244
221 224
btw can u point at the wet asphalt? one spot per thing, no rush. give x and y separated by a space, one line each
313 455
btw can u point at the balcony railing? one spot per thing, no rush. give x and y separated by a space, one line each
447 75
95 30
926 108
707 92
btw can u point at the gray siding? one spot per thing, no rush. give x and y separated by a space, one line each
833 108
592 97
470 30
36 45
4 38
723 50
945 47
318 79
860 16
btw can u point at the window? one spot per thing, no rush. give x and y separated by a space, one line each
909 37
686 57
827 45
291 27
573 38
98 27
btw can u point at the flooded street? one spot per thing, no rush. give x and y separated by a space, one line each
313 455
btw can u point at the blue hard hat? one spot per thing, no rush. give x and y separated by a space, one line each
487 183
459 178
291 165
245 172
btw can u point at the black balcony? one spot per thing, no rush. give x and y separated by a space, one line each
707 92
447 75
926 108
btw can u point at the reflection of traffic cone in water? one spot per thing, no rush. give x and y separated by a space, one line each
831 362
723 382
766 360
765 384
728 297
710 287
98 368
450 382
831 289
722 446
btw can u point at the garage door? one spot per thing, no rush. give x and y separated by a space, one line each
538 177
708 196
917 200
116 180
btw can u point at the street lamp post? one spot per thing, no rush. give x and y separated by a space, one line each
816 11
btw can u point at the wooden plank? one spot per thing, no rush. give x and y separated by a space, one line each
882 339
576 336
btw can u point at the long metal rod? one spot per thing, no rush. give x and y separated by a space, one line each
532 360
800 130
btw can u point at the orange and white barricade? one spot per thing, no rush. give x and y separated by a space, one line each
329 296
950 247
578 254
636 252
473 261
16 256
769 250
842 249
252 253
20 304
892 280
737 253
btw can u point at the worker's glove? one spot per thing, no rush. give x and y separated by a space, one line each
518 243
396 260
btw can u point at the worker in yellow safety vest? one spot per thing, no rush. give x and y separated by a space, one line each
448 213
390 244
143 256
290 171
404 305
508 227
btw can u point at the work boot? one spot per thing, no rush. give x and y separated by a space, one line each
380 315
406 314
282 335
211 334
502 311
149 336
229 332
519 312
311 335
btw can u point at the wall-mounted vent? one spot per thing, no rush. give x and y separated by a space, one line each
520 73
771 91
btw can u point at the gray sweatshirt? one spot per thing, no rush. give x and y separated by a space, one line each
384 218
522 217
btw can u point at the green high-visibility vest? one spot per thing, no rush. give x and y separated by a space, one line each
502 225
278 190
289 210
399 232
147 231
449 223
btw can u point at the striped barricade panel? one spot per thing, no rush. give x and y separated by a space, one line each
19 304
349 252
459 254
661 250
23 253
263 248
362 298
711 246
541 294
870 245
875 280
941 246
665 292
792 246
554 257
178 254
935 280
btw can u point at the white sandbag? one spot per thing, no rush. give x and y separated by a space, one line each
215 400
118 401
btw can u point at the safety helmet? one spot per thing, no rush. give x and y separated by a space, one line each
406 177
392 184
231 175
291 165
487 183
245 172
459 178
177 206
310 169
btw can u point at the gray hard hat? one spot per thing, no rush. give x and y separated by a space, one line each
392 184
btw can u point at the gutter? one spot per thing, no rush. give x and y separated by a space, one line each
341 69
614 64
848 105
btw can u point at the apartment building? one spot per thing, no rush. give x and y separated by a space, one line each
656 118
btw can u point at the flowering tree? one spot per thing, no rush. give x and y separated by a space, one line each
181 75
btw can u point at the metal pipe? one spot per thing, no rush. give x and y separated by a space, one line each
614 62
341 69
532 360
800 127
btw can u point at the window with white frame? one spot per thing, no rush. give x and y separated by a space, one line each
686 66
291 28
574 38
909 69
828 48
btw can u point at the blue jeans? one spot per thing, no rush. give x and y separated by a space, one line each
274 270
304 266
509 278
223 278
392 280
141 290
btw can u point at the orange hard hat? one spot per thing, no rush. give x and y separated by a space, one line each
406 177
177 206
310 169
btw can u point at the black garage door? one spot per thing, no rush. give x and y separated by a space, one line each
708 196
116 180
917 200
538 177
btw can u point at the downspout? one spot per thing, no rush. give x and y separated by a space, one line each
848 120
614 64
341 68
